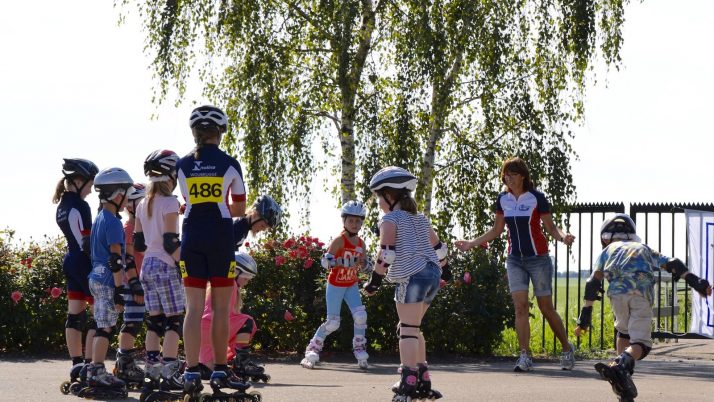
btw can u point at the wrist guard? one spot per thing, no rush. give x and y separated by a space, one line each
446 273
135 287
116 262
441 251
586 317
593 289
676 267
130 262
118 295
375 281
699 284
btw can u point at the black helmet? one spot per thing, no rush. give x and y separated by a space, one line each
619 227
73 167
111 182
269 210
208 116
160 165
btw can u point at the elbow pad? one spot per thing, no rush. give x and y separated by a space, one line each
387 255
441 251
593 288
676 267
171 242
116 262
139 242
328 261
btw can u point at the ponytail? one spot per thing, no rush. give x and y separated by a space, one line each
59 190
200 135
157 187
402 197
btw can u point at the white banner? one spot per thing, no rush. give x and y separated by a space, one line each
700 225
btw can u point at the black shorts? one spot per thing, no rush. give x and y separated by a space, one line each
207 253
76 267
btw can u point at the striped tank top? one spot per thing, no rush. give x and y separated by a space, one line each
413 249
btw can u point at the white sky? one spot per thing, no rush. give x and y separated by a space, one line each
74 84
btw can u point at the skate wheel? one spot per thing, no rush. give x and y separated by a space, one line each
267 378
255 395
64 387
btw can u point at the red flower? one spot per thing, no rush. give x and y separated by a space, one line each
442 283
302 252
302 239
55 292
289 243
467 278
320 244
16 296
293 253
247 244
308 263
288 316
279 260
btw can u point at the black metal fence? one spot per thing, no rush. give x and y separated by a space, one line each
660 225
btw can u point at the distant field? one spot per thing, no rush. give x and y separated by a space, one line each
591 343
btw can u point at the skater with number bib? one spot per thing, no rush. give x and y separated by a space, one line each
343 259
212 184
629 265
410 255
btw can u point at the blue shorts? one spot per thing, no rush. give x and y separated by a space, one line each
421 287
537 268
207 253
104 313
76 267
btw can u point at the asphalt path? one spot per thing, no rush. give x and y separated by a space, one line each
459 379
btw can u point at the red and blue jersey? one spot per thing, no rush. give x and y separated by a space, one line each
523 219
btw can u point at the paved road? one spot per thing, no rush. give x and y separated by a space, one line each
338 379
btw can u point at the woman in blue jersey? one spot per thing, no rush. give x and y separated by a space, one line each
523 208
410 256
211 182
75 220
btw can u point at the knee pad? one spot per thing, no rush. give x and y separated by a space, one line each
91 324
359 316
247 328
131 327
157 324
645 349
623 336
76 321
405 331
174 323
103 333
332 324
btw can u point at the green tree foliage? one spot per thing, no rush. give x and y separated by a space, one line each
446 88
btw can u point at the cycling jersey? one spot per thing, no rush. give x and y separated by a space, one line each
207 240
523 219
345 274
74 218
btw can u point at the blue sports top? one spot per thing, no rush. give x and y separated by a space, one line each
107 230
522 214
207 182
74 218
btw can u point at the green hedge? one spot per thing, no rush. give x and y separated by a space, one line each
287 299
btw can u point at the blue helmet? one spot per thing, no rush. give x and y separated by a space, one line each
269 210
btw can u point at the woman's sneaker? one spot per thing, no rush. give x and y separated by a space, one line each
524 363
567 359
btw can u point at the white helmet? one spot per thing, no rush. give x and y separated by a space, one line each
354 208
111 182
619 227
246 265
136 192
393 177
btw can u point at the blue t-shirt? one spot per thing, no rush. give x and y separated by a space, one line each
107 230
629 267
523 219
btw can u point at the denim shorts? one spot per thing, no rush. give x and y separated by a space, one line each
104 313
420 287
537 268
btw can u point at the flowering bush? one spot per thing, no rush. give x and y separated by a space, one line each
32 295
286 298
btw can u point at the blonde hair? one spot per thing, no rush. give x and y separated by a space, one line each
164 188
201 134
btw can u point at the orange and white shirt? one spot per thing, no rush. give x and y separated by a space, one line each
344 274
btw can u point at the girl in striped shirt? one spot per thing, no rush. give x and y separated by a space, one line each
410 256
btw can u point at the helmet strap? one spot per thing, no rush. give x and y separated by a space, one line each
253 222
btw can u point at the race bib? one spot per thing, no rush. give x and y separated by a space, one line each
205 189
182 268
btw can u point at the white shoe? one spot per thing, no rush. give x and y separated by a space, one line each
359 344
524 363
310 360
567 359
